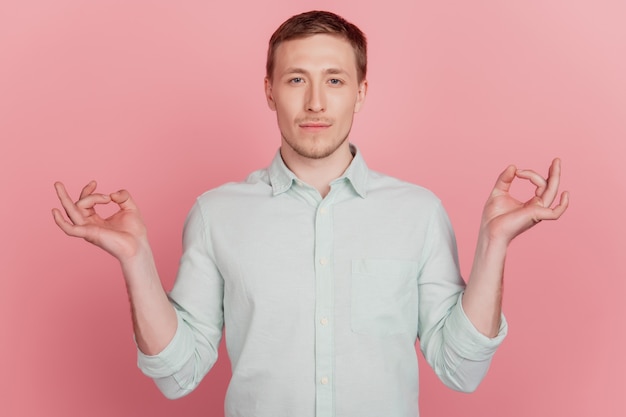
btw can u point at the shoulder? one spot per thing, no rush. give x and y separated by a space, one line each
256 185
391 188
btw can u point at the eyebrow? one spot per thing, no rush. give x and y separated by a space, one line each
297 70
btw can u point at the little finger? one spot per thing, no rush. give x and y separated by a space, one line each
67 227
547 213
70 208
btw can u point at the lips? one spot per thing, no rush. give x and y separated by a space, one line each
314 128
314 124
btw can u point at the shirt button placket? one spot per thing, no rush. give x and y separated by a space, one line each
324 294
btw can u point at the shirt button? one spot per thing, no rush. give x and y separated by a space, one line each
323 261
324 321
324 381
323 210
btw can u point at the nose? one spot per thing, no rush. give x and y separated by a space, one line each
316 101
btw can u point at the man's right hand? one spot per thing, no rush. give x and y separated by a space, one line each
122 234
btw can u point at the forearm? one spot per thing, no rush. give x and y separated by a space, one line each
123 235
482 301
154 318
503 219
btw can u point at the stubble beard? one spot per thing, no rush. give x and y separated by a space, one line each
315 151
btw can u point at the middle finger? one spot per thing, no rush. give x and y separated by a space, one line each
552 189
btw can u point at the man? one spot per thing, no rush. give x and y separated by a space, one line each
323 273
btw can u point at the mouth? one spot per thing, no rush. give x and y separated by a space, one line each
314 126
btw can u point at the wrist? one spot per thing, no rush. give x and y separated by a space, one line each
488 240
138 265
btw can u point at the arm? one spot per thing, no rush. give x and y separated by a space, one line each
197 296
503 219
124 236
459 354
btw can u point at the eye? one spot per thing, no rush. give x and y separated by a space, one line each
335 81
296 80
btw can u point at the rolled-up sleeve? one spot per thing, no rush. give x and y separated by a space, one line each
197 297
459 354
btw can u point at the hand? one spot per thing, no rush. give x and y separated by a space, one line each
121 234
504 217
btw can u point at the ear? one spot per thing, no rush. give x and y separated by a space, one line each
360 96
268 94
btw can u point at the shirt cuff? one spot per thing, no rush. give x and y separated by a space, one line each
467 340
171 359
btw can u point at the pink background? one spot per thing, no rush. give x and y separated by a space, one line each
166 99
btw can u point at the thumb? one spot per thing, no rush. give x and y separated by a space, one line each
124 200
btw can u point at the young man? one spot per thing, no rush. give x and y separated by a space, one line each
323 273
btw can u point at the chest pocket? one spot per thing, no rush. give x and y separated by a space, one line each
384 297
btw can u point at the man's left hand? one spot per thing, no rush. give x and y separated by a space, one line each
505 217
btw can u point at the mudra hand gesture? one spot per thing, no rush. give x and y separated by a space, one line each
505 217
121 234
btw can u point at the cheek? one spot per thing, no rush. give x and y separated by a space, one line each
348 108
284 112
285 117
286 105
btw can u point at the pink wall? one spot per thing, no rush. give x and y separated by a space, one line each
165 99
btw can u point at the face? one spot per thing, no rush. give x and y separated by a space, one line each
315 93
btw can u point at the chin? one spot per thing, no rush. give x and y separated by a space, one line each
315 151
314 147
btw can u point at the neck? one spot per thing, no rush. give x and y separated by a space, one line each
318 172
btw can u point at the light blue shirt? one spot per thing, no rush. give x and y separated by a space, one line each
322 299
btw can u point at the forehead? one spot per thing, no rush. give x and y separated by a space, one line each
317 51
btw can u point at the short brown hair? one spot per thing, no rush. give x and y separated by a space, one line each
319 22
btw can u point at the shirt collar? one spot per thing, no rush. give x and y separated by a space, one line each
282 178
